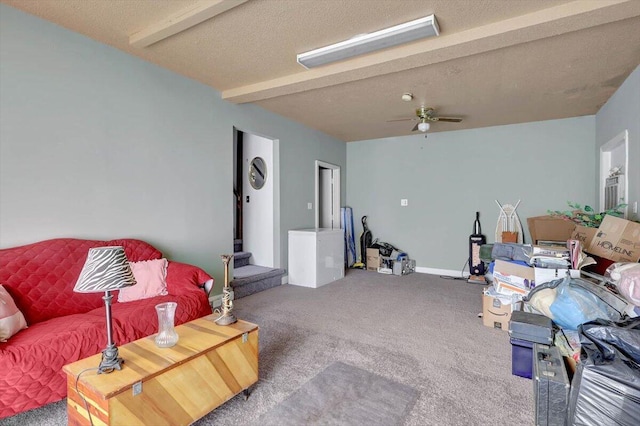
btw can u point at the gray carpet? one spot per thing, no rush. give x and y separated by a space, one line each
344 395
418 330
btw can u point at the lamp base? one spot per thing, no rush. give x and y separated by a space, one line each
110 360
226 319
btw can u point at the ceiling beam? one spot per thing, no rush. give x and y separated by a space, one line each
553 21
182 20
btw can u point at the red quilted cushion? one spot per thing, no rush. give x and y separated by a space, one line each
136 250
183 277
31 363
40 277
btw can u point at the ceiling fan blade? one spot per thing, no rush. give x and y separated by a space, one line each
402 119
449 119
415 127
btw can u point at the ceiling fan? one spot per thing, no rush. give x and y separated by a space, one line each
425 115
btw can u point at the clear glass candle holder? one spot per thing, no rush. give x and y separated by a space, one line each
167 335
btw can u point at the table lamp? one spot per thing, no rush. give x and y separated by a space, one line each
106 269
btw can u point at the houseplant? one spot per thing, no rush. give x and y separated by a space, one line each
586 216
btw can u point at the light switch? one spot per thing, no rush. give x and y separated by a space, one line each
404 202
309 206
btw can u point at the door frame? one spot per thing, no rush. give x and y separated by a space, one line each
275 175
620 140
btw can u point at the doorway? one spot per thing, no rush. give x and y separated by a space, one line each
256 192
614 168
327 195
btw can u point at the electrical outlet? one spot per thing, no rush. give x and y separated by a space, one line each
215 301
309 206
404 202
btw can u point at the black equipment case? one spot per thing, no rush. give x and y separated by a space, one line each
531 327
550 386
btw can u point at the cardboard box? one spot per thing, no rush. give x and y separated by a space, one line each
494 313
585 235
511 278
373 259
549 228
617 239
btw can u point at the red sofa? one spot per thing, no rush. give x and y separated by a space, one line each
64 326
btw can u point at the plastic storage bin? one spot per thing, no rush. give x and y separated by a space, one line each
521 358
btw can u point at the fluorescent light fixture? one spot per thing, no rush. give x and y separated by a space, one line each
366 43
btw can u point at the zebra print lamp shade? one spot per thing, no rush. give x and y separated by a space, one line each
106 268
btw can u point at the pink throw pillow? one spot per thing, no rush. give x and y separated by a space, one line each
151 280
11 319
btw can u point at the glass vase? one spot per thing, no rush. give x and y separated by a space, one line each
167 335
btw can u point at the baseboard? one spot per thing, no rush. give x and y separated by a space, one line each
285 279
435 271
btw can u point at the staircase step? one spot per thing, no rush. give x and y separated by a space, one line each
241 259
253 278
237 245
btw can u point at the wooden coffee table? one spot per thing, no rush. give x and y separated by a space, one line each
167 386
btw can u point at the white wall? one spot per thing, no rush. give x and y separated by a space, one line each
95 143
622 112
451 175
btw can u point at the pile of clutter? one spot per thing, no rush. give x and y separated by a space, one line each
558 314
386 259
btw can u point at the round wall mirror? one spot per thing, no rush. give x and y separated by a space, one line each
257 172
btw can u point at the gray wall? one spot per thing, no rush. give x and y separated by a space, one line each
451 175
95 143
621 112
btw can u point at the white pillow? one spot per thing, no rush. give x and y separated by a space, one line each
11 319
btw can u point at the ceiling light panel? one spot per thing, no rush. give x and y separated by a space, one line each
366 43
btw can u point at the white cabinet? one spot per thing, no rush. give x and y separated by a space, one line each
316 256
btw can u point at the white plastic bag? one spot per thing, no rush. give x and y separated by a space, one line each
626 277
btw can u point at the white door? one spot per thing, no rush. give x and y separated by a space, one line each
258 211
325 201
327 210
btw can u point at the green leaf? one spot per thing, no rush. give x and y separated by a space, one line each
588 209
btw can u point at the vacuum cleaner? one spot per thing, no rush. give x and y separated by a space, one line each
476 266
365 241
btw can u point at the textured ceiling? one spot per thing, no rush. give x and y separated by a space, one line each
495 62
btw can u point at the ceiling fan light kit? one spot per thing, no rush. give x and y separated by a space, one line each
366 43
425 116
